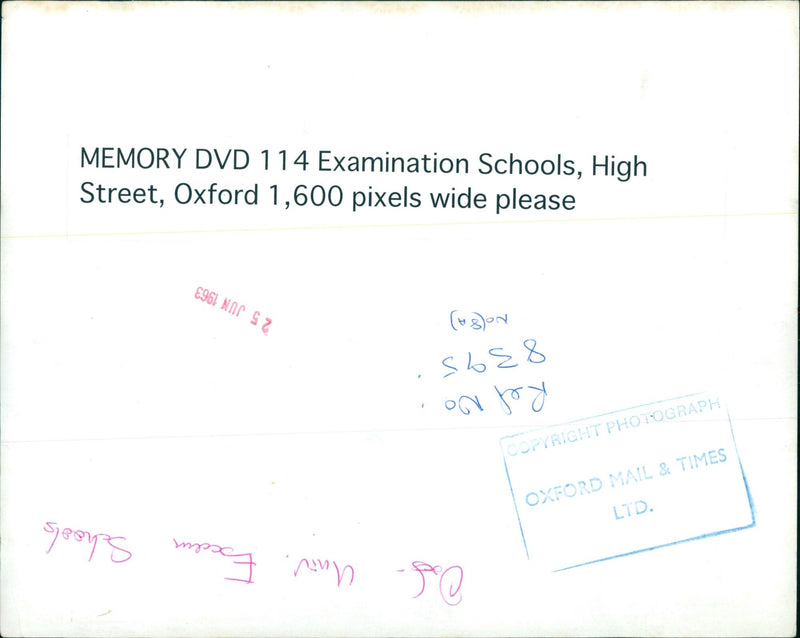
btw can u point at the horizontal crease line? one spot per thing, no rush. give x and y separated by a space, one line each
410 225
335 432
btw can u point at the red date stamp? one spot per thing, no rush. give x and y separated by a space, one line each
232 307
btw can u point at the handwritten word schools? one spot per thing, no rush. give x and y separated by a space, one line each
239 565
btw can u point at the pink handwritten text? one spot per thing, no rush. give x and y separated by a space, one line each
319 565
450 580
227 552
79 535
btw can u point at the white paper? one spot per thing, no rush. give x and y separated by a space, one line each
335 408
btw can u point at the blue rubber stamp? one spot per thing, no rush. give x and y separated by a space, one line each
628 481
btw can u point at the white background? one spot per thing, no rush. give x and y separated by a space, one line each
130 407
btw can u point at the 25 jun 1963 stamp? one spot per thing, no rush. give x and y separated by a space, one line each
629 481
